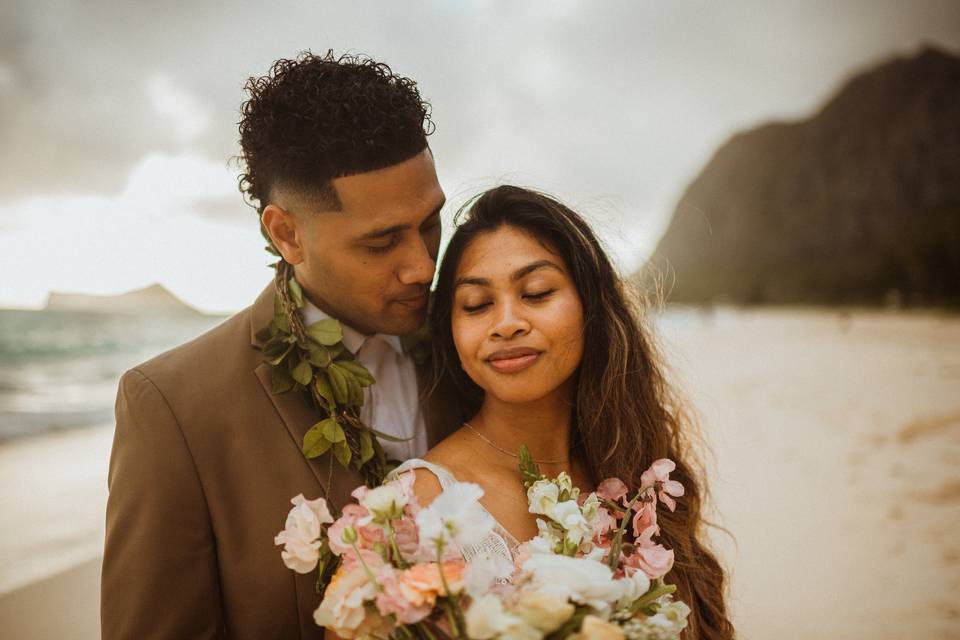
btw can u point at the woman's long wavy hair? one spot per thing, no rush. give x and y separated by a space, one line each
625 414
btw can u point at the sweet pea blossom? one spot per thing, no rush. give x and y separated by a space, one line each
392 601
582 580
568 515
486 619
384 503
483 573
343 608
455 516
653 559
612 489
645 516
542 497
301 533
659 474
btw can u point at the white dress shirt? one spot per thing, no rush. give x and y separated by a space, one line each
391 405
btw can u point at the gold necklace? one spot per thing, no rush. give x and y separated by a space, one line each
502 450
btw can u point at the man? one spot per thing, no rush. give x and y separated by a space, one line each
205 457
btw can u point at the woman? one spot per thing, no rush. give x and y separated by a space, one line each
532 324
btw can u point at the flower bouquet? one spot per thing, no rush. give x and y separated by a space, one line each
389 568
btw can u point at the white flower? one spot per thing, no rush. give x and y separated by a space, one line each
455 516
548 537
633 588
301 532
542 497
579 579
384 502
568 515
487 619
483 573
666 624
544 612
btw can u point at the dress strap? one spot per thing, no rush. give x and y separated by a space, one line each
443 475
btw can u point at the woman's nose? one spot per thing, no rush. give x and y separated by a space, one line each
509 322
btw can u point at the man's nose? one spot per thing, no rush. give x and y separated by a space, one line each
418 267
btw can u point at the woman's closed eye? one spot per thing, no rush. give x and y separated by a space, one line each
534 297
539 296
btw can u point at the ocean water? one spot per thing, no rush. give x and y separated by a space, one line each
59 369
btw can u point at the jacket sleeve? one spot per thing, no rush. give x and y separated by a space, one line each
160 577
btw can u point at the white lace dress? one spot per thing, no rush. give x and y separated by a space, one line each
500 542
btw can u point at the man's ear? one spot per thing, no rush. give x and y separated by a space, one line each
285 231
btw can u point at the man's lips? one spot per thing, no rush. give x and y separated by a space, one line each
512 360
415 302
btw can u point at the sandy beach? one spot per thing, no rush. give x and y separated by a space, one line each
836 467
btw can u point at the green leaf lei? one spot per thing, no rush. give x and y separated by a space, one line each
313 359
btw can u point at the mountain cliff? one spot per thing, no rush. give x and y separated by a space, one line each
152 299
859 204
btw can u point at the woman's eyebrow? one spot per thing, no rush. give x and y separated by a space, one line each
516 275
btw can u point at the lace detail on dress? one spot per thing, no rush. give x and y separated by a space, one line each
500 542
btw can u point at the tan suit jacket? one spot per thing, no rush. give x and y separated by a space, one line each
205 461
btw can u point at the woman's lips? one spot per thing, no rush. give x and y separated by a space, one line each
512 360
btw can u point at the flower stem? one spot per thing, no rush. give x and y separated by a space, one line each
366 568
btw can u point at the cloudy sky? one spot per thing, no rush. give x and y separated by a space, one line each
118 120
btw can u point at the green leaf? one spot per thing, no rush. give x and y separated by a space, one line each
322 384
528 468
319 356
280 380
276 350
315 443
354 390
338 382
327 332
267 332
296 293
333 431
366 447
341 451
302 373
358 370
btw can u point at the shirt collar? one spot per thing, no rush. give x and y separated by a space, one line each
352 339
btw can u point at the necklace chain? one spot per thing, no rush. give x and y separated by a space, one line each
502 450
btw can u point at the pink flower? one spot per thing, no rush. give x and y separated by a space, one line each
653 559
421 584
391 600
352 513
612 489
645 516
408 538
351 560
659 475
603 523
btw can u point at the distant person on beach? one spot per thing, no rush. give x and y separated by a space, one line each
207 451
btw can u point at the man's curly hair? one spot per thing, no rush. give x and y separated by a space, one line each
317 118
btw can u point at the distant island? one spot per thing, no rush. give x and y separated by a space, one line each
859 204
153 299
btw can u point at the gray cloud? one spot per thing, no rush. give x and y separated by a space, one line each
621 101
